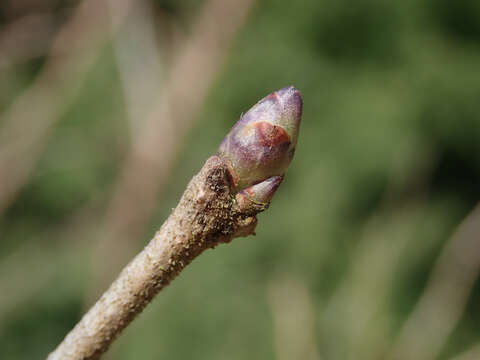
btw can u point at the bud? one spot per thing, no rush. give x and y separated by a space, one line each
258 197
262 143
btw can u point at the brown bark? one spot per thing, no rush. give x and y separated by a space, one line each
206 216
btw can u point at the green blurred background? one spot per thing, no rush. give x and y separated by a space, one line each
370 250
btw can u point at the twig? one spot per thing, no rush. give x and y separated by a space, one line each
445 296
219 204
204 218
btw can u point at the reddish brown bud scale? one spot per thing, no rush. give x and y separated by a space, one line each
271 135
262 143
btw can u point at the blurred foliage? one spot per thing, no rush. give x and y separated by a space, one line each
389 151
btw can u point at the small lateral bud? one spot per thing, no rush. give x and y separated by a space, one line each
262 143
258 196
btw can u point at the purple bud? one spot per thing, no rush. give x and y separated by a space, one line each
262 143
258 195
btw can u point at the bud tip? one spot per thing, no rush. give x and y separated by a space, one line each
262 143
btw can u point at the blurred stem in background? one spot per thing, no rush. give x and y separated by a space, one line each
293 318
194 64
445 297
358 309
25 38
29 120
140 68
139 59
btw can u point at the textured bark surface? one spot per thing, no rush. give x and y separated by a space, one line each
206 215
